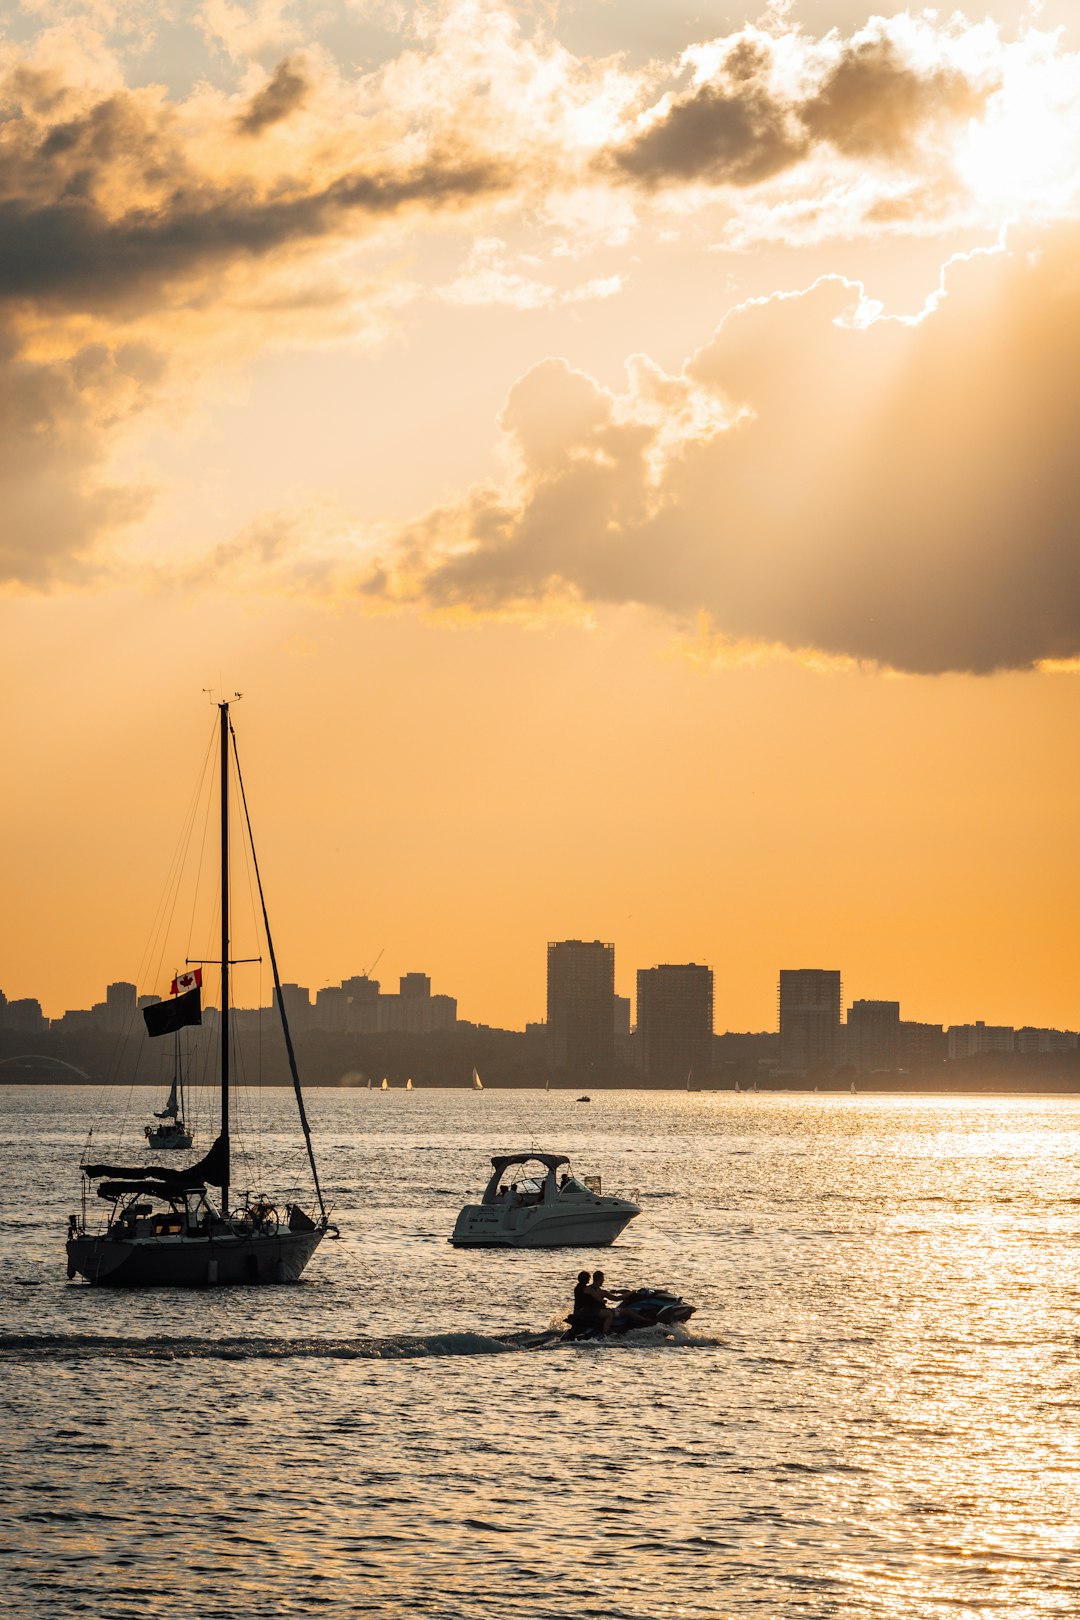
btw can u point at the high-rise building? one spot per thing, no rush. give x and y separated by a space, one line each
581 1006
25 1015
331 1008
414 1010
119 1008
675 1020
922 1046
296 999
362 1014
873 1035
972 1040
809 1019
1030 1039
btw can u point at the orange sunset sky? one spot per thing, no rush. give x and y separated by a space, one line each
625 455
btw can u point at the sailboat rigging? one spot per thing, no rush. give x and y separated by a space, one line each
164 1228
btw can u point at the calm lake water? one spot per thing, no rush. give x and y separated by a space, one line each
877 1411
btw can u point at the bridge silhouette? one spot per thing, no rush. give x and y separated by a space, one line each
36 1060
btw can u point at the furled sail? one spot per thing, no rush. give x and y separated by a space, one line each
214 1167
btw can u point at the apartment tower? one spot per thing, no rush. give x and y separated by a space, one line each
675 1020
581 1006
809 1019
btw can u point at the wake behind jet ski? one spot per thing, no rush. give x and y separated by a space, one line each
593 1318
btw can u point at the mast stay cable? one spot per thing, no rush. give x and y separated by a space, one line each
277 982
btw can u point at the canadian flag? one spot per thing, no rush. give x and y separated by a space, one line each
191 980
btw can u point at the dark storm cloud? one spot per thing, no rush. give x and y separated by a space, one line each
906 494
737 129
286 91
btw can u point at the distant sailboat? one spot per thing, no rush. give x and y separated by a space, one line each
369 1083
408 1085
689 1078
385 1084
478 1084
172 1132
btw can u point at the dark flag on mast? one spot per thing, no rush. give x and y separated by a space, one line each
166 1017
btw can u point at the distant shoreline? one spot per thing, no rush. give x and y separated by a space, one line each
865 1088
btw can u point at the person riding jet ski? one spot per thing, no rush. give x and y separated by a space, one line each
593 1318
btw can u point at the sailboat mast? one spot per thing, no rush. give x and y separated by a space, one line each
224 709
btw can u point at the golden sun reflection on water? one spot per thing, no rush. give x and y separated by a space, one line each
875 1416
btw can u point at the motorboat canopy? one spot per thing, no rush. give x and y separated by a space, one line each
502 1163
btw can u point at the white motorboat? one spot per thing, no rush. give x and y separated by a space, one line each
545 1206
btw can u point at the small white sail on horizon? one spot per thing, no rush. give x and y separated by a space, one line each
408 1085
385 1084
478 1084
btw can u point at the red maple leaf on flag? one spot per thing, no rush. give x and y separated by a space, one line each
191 980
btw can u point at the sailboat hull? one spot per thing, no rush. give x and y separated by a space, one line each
248 1259
167 1138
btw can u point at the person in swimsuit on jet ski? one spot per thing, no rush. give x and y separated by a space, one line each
628 1317
590 1313
593 1314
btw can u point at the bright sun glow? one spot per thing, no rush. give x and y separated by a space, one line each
1023 155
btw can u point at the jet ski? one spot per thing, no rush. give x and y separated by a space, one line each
640 1308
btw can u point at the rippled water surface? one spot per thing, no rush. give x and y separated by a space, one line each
875 1412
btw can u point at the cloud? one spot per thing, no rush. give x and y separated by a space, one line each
732 130
106 209
285 91
875 104
760 104
489 277
54 423
818 476
295 203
